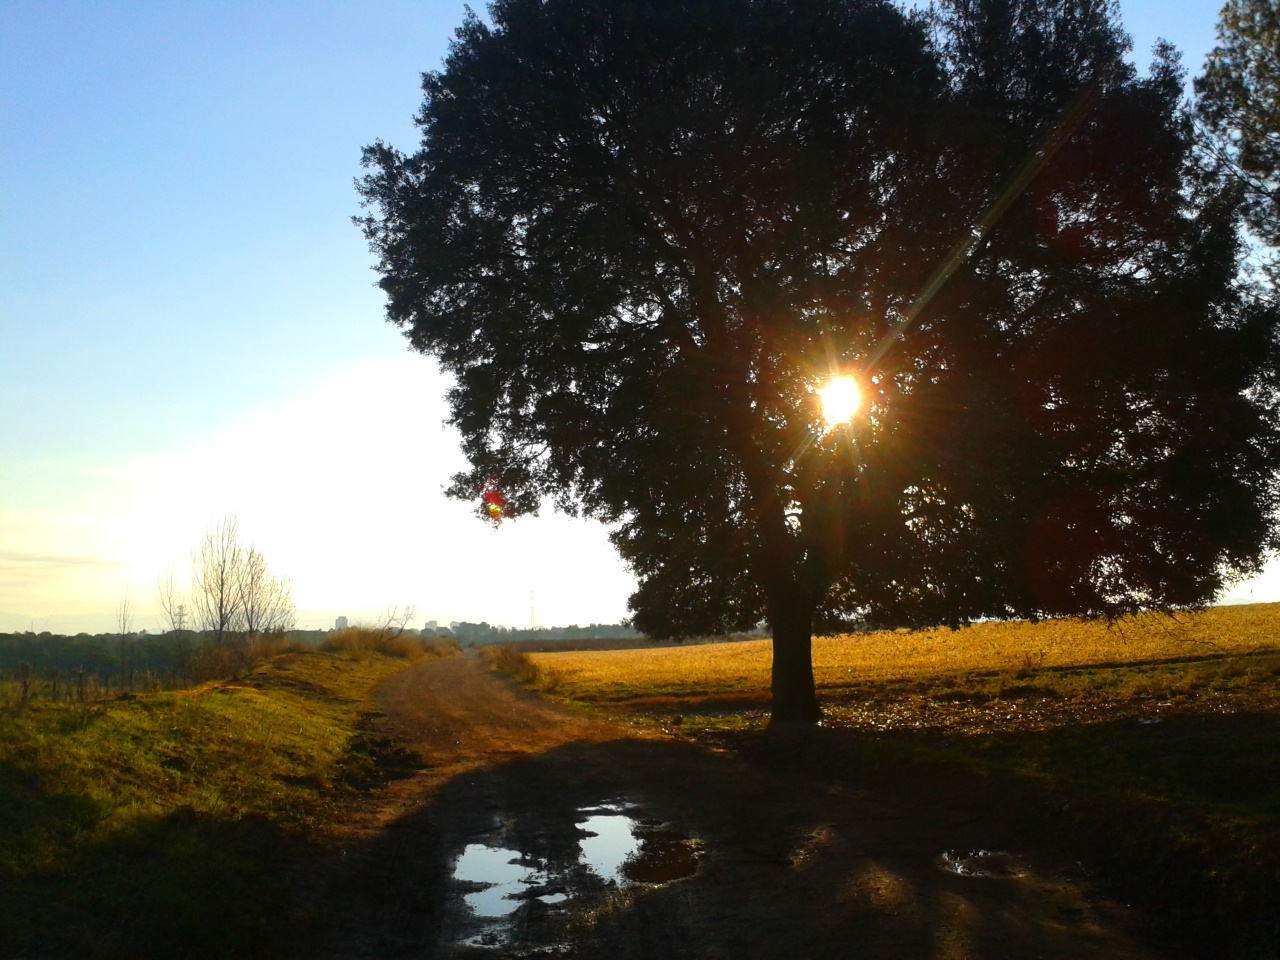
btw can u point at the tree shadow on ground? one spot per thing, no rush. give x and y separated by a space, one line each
821 845
817 845
181 886
1179 815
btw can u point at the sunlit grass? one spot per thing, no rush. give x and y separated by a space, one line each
158 822
856 660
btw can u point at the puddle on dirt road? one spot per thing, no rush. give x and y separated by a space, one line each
980 863
505 880
624 849
518 878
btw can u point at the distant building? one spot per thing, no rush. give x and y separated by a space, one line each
340 623
431 625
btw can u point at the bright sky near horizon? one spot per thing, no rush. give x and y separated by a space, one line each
189 327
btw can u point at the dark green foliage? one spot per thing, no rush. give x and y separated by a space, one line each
1239 100
640 233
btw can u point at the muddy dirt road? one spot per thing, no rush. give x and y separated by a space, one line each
789 848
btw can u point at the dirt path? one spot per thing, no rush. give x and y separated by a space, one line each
802 852
456 711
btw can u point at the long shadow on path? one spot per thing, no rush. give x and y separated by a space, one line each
801 854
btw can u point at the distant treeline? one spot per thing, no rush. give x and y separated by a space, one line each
474 634
138 661
56 666
181 657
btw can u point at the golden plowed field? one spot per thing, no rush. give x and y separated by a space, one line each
889 655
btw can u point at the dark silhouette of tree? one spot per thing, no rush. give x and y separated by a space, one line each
1239 100
642 234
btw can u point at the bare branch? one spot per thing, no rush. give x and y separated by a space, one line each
169 598
124 612
215 568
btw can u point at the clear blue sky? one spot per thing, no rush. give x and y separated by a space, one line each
188 326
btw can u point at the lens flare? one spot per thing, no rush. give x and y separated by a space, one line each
841 399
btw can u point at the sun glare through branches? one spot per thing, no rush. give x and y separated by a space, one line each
840 399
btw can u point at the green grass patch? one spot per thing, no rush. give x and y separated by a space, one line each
160 825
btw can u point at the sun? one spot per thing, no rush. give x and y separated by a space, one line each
841 399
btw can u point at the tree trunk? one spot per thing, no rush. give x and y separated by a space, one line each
794 699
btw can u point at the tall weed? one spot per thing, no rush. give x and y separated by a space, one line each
510 659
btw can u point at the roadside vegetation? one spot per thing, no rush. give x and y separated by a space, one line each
389 641
163 824
514 660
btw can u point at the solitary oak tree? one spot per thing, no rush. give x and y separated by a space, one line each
642 235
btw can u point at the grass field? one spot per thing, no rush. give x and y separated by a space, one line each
1056 653
159 825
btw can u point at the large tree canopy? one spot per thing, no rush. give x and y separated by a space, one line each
1239 99
641 233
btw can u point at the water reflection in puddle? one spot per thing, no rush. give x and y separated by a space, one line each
979 863
615 849
508 880
609 841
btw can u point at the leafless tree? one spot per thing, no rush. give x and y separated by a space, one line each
173 607
395 621
124 624
252 585
266 601
124 612
233 590
282 614
215 580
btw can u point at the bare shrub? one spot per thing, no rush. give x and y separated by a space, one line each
275 645
441 647
218 661
515 662
236 655
357 640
